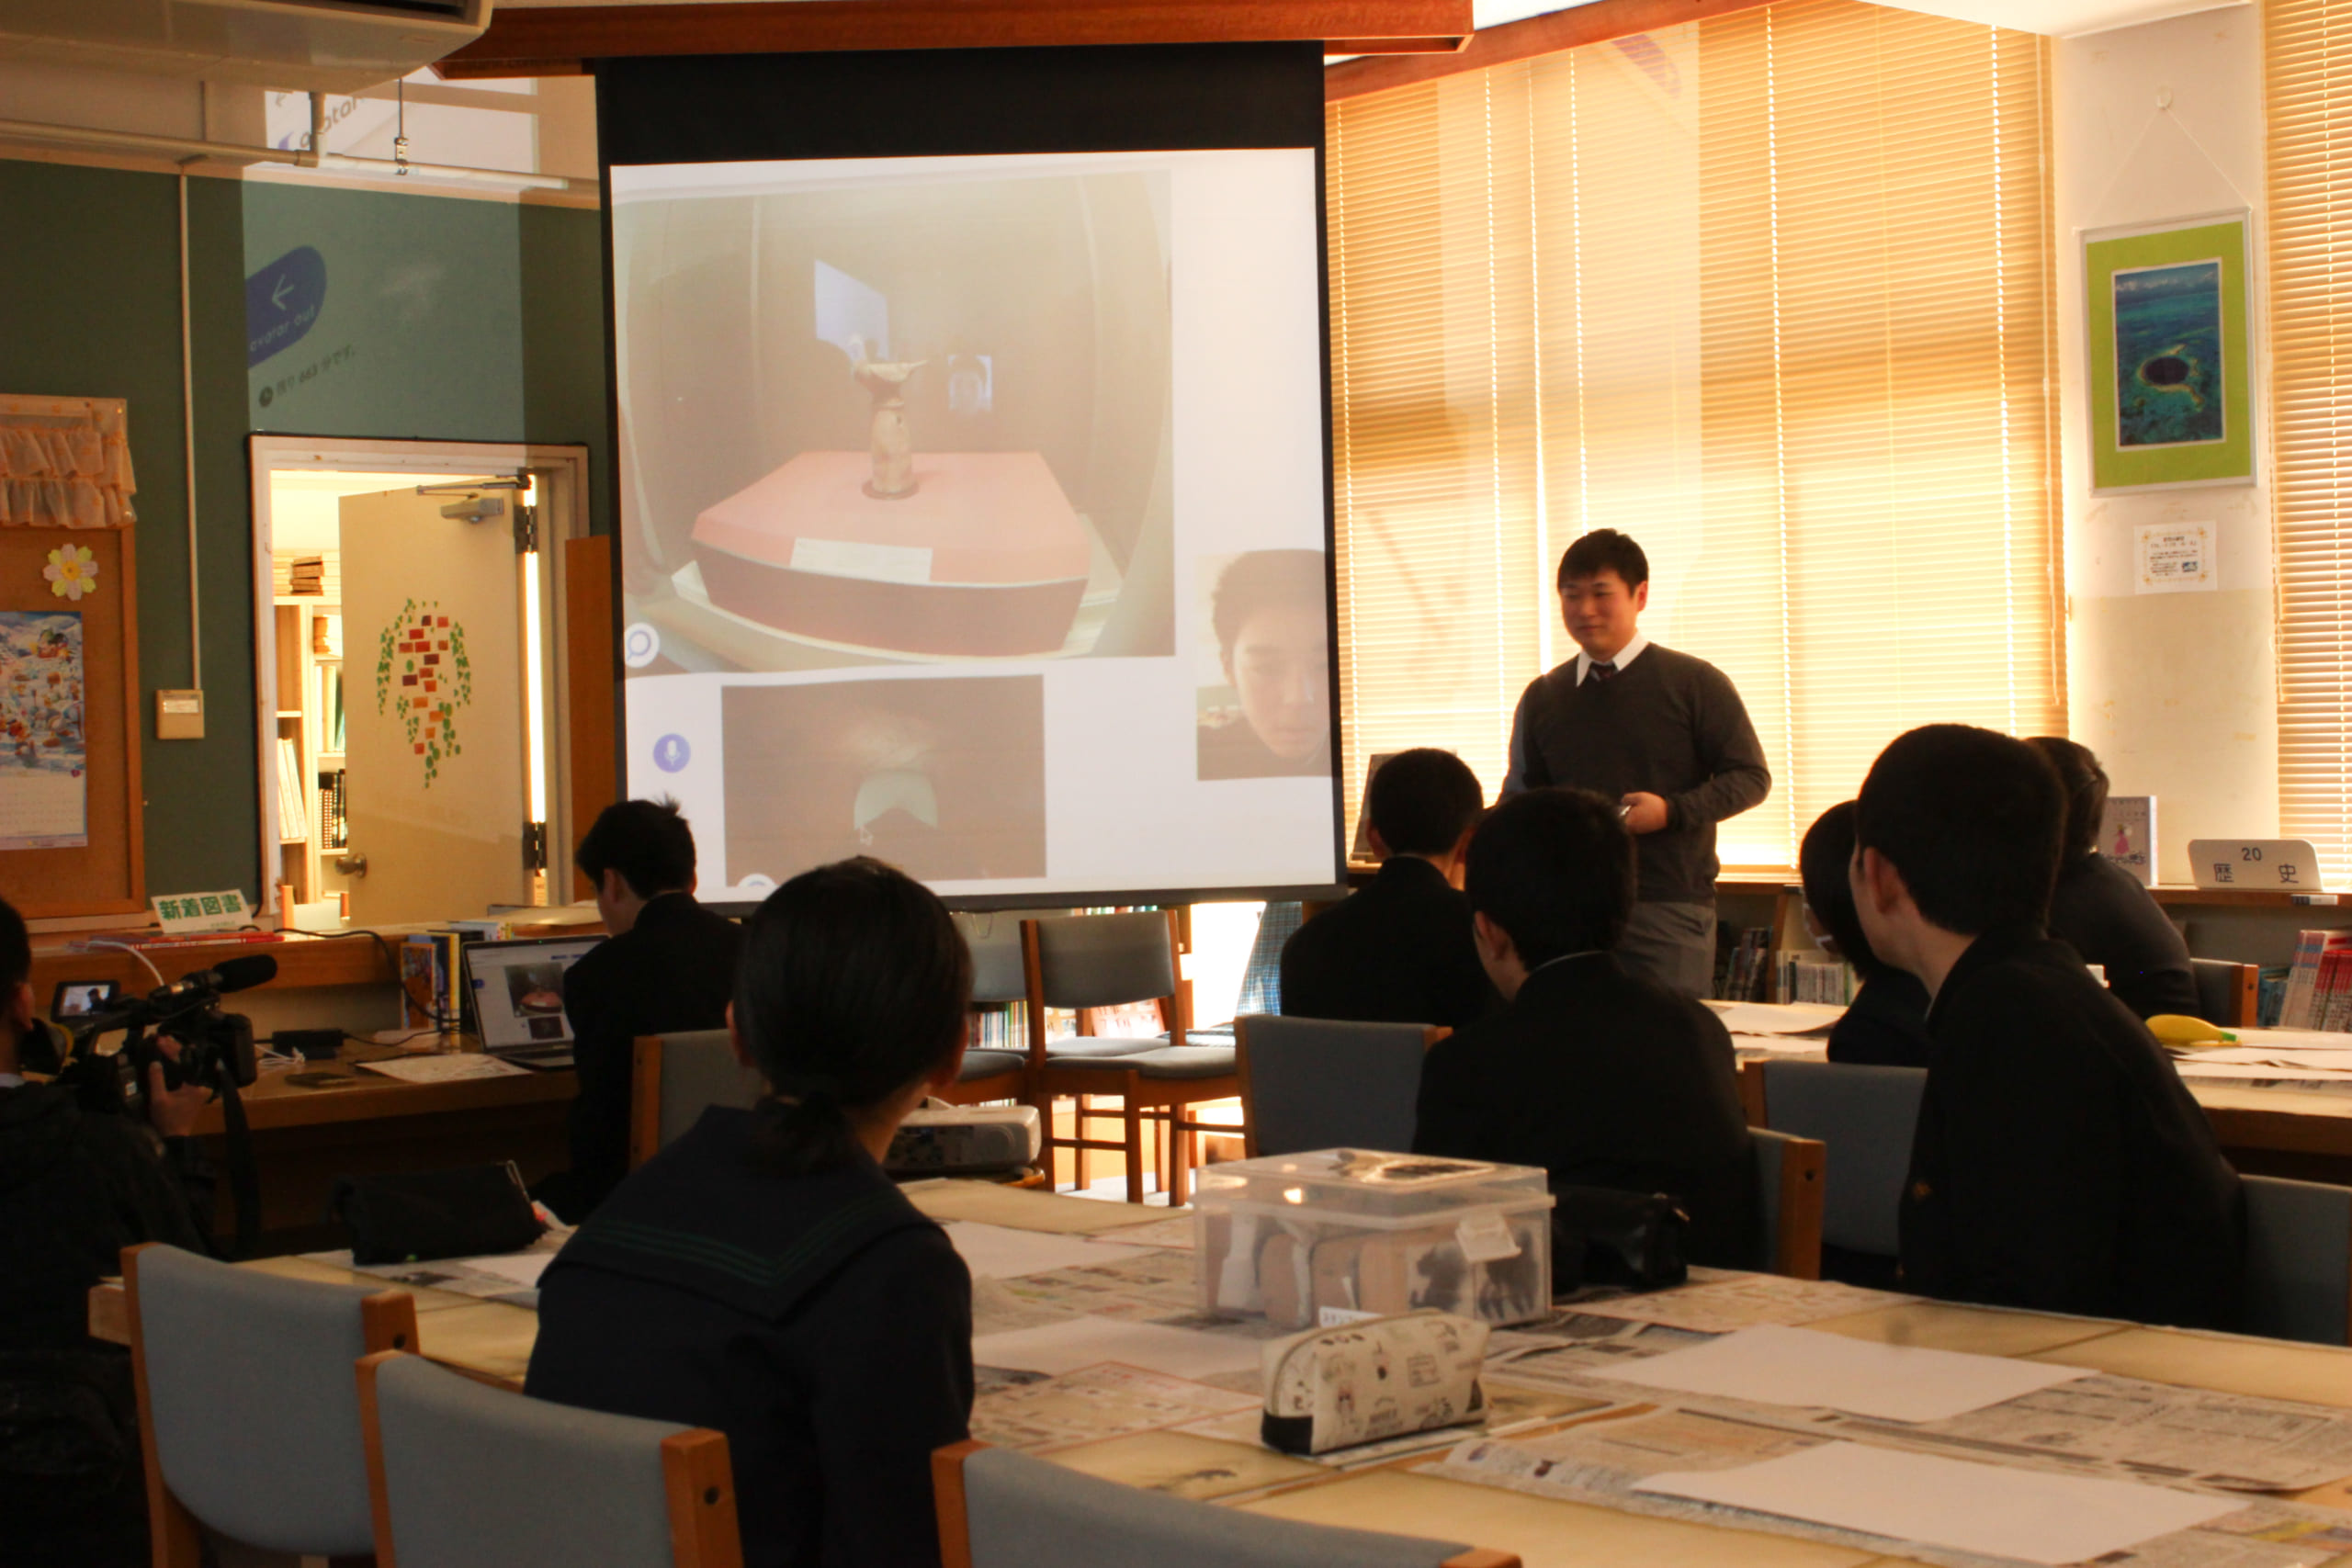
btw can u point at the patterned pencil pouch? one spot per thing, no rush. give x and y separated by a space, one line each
1380 1376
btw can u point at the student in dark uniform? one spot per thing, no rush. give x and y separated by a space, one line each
2060 1164
2101 911
1400 951
1886 1025
762 1276
1602 1079
669 967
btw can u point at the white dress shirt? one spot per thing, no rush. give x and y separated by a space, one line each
1625 656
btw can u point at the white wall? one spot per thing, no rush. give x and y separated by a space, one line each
2176 692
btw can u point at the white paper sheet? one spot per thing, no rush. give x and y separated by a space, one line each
2299 1057
1773 1365
523 1267
1992 1509
444 1068
1065 1346
1775 1018
1000 1252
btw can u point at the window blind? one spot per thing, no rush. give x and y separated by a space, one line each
1772 294
2308 70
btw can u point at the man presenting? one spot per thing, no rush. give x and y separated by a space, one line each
1662 733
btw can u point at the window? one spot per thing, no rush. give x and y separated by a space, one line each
1772 294
2308 46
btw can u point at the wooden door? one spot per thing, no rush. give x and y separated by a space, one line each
437 790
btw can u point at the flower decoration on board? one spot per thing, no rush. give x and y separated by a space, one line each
71 572
424 675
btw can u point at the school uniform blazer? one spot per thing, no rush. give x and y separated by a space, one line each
670 972
2101 912
2059 1162
1886 1025
821 1322
1604 1080
1398 951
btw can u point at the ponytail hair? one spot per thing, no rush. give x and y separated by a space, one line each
853 985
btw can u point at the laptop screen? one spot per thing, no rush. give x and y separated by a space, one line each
517 988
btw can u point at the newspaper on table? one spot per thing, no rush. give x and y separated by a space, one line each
1107 1400
510 1277
1176 1230
1719 1301
1604 1461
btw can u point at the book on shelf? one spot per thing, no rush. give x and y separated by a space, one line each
431 981
2303 1004
1743 964
2127 835
2270 995
1816 977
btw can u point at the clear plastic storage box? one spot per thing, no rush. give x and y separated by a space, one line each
1360 1231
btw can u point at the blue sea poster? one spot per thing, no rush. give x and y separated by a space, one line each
2168 381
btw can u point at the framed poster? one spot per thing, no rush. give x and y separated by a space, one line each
2169 360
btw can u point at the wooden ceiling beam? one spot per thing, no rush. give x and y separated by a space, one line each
557 40
1595 23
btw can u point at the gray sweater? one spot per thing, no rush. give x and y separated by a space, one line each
1667 725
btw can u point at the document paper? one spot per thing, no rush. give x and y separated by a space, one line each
999 1252
1992 1510
1773 1365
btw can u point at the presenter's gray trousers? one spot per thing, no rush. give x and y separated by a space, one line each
1673 945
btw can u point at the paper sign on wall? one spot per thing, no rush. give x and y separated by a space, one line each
2174 557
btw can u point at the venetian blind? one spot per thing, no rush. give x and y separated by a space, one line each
2308 48
1770 293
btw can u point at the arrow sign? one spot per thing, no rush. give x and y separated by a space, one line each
282 302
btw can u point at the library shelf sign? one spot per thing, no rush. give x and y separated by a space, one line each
2170 354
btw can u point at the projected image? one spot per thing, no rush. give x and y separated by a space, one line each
884 420
943 778
1267 713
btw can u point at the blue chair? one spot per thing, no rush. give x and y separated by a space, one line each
248 1422
1320 1083
464 1475
994 940
1001 1509
674 1078
1866 1117
2298 1261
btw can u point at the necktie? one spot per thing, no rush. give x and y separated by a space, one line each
1601 669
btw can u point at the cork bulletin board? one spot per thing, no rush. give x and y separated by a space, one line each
70 812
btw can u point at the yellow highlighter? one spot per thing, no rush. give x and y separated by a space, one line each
2183 1034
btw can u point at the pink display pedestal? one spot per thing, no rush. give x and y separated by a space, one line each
986 560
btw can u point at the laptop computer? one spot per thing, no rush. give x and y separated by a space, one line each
515 991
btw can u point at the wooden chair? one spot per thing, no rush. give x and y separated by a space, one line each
248 1423
1865 1117
1094 961
1319 1083
2228 994
1001 1509
2298 1261
1788 1192
460 1475
998 975
673 1079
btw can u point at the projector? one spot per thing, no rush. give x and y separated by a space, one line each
955 1140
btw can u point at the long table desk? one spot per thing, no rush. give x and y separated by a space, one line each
493 1340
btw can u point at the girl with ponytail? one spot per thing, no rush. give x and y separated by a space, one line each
761 1275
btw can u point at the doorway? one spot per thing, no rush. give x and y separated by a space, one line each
411 611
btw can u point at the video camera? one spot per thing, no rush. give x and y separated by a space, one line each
216 1048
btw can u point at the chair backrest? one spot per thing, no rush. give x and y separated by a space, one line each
675 1079
994 939
1866 1117
1001 1509
2227 993
1319 1083
246 1410
2298 1261
1788 1192
1095 961
464 1475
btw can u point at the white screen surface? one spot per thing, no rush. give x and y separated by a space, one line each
932 471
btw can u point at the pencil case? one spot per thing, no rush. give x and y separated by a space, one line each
1380 1376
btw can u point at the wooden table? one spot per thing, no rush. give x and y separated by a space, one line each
494 1341
306 1137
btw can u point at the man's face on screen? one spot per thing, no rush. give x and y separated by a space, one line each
1280 664
1601 612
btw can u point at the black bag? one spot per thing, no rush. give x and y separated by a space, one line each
1603 1236
468 1212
